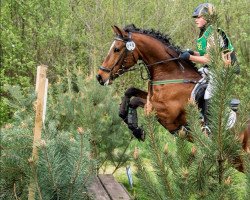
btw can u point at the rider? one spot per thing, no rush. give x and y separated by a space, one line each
202 16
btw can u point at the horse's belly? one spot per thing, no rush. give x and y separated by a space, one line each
169 103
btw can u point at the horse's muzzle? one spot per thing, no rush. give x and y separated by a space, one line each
99 79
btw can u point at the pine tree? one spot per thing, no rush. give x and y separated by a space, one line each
95 108
170 176
65 166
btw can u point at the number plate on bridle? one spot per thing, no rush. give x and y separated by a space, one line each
130 45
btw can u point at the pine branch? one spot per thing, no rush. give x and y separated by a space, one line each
34 179
150 188
121 162
14 191
78 165
161 171
49 166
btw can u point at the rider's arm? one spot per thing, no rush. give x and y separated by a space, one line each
196 53
200 59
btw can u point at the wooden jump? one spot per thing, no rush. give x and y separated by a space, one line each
105 187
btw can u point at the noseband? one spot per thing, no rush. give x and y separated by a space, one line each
128 41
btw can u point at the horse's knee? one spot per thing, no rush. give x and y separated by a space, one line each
135 102
131 92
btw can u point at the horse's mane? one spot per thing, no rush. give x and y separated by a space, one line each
165 39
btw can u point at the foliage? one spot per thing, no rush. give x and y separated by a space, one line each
68 35
64 167
205 170
169 176
64 34
192 171
94 108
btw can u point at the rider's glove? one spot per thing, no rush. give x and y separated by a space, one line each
191 52
185 55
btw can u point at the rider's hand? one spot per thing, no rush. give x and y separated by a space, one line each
185 55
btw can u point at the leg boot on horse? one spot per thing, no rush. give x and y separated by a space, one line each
133 124
130 102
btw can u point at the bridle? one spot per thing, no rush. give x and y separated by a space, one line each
125 53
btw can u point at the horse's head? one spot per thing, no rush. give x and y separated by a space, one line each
123 54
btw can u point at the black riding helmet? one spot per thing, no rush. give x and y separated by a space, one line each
203 9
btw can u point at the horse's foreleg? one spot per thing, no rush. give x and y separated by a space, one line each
123 110
131 92
128 111
132 119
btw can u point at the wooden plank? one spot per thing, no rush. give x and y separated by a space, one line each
113 188
97 191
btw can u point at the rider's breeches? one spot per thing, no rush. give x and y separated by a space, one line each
209 90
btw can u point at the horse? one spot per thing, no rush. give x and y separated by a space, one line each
171 80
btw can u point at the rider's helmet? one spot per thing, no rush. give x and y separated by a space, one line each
203 9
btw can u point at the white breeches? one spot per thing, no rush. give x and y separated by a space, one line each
209 90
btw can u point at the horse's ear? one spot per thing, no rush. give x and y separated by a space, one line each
118 31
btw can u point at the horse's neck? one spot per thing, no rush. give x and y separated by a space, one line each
152 51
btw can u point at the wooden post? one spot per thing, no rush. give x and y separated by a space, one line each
40 89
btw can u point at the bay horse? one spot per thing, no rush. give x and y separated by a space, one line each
171 81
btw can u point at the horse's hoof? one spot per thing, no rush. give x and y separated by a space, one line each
139 134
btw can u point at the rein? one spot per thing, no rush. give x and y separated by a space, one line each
162 61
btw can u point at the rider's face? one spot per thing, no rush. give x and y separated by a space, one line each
200 22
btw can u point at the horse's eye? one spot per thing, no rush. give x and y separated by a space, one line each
116 50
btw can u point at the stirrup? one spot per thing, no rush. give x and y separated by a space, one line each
205 129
